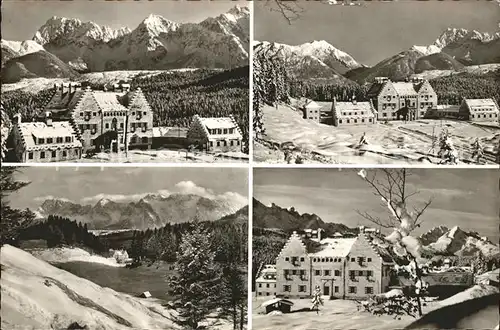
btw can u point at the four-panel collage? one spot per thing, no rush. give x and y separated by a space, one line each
232 164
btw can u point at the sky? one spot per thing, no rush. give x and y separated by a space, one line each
376 30
468 198
87 185
21 19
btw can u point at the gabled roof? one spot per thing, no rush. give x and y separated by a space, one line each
30 131
218 122
108 101
277 300
312 105
334 247
375 89
365 109
404 88
481 103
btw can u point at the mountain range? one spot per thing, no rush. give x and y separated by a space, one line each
452 50
151 211
439 240
155 44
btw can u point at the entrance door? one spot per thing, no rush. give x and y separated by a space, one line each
326 290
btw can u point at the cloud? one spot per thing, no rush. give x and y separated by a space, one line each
44 198
189 187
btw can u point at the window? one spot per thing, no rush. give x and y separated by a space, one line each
317 272
68 139
369 259
326 273
218 143
353 259
351 274
42 154
336 289
144 113
64 153
260 293
267 293
355 121
369 273
219 131
81 114
370 120
302 288
384 114
363 120
294 272
267 285
302 272
360 273
225 130
260 285
41 141
302 259
348 121
361 259
30 155
54 154
340 121
287 288
121 125
337 272
352 289
287 258
369 290
94 114
238 142
107 125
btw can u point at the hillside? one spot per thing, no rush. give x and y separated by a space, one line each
36 295
289 219
33 65
439 61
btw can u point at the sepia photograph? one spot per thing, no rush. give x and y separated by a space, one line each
376 82
119 248
375 248
125 81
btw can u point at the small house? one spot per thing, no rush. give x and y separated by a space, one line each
478 110
353 113
145 294
215 134
47 141
278 304
265 283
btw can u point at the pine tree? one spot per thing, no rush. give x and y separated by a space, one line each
234 296
197 283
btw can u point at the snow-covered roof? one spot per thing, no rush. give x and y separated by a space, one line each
40 130
108 101
334 247
347 110
481 103
404 88
218 122
312 105
276 300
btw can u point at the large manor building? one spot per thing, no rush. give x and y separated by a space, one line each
120 118
408 100
342 267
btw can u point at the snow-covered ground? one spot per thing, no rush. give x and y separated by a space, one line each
37 295
164 156
473 69
394 143
67 254
335 314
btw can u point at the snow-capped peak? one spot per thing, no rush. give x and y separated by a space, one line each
74 29
452 35
103 202
21 48
236 13
156 24
427 50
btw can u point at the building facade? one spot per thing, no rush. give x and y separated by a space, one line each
44 142
215 134
353 113
312 111
265 284
120 115
480 110
402 100
345 268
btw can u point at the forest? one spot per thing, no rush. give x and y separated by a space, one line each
176 96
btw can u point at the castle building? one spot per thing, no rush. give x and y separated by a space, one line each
346 268
479 110
121 115
215 134
43 142
402 100
353 113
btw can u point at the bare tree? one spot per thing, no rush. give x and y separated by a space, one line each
292 10
391 186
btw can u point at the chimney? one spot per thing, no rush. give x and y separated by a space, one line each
48 118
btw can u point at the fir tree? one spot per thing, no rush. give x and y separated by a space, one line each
234 296
197 283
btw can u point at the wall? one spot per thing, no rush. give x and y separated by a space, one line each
362 248
265 288
72 154
140 115
388 89
331 280
427 98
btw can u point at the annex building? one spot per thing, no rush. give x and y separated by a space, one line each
478 110
215 134
343 267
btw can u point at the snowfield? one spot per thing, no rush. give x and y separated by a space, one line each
37 295
66 254
394 143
